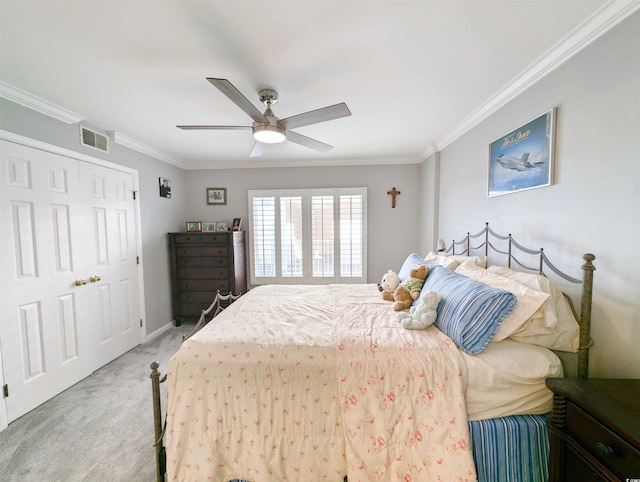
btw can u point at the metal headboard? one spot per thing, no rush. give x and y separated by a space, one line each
514 248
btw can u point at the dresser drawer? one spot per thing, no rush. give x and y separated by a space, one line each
193 310
605 446
577 469
208 285
202 273
200 238
205 297
201 262
202 251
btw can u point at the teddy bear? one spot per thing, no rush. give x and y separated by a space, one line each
409 289
389 281
424 314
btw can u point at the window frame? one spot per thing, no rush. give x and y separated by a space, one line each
306 227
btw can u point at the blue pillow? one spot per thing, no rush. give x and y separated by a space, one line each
410 262
470 312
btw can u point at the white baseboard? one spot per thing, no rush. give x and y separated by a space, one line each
158 332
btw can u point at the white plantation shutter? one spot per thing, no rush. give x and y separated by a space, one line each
351 236
322 229
291 236
308 236
263 233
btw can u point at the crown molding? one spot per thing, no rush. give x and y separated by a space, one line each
603 20
269 163
38 104
125 141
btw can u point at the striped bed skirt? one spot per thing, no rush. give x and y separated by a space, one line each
509 449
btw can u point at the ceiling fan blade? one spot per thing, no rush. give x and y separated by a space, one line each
308 142
228 89
257 150
313 117
219 128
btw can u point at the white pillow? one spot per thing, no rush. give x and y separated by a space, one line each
448 262
566 334
458 258
530 301
508 378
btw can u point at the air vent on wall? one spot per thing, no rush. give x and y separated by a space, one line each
94 139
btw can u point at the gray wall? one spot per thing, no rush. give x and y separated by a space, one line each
593 205
392 233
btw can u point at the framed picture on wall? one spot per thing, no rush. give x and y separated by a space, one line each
216 195
524 157
165 187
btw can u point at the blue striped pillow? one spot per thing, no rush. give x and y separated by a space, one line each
470 312
412 260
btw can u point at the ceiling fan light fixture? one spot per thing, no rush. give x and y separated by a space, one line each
269 134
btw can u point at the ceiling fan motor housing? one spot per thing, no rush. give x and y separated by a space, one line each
268 96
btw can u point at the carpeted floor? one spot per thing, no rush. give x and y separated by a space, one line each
101 429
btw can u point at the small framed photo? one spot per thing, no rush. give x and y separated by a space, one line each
216 195
208 227
165 187
194 227
237 222
222 227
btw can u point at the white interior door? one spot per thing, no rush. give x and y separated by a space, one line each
111 247
69 301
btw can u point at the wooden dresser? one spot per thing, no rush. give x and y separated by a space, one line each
201 265
594 430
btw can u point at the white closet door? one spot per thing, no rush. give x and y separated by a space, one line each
69 288
45 340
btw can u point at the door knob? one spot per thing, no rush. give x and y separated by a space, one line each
94 278
80 282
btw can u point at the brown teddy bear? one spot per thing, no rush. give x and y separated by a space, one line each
409 289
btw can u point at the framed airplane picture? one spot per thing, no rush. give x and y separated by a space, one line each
523 158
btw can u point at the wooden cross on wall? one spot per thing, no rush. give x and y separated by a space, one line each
393 193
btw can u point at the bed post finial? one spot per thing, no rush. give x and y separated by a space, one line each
585 315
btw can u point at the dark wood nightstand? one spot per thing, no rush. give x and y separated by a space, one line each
594 430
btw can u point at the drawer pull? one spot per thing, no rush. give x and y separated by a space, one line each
603 450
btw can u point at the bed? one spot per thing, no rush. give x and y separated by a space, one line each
312 383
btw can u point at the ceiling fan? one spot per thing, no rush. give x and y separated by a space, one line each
267 128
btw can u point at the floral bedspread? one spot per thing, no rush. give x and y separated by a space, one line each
312 383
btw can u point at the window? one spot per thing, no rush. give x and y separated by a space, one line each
308 236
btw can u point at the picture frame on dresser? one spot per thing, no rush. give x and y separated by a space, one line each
208 227
194 227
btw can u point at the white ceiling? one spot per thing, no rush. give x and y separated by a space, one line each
415 74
